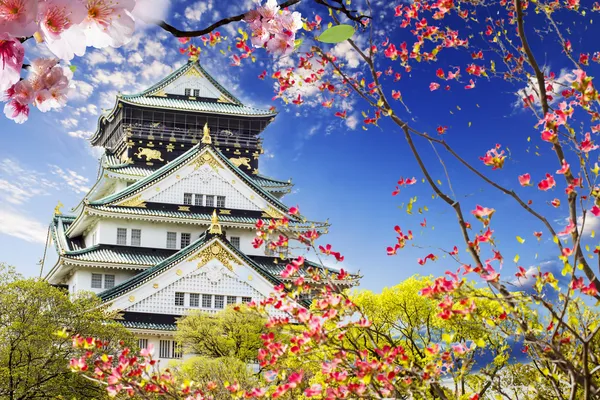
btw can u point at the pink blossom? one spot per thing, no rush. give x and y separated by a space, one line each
11 60
59 24
586 145
50 82
108 22
17 17
274 29
19 97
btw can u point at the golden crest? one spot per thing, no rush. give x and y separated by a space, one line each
215 251
239 161
131 299
155 286
135 201
179 272
150 154
183 208
170 147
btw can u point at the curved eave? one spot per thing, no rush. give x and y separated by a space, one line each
132 102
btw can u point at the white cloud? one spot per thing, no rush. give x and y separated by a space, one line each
314 130
195 11
89 109
81 90
592 224
81 134
105 55
135 59
21 226
351 121
345 52
155 70
18 184
75 181
117 79
154 49
560 83
69 122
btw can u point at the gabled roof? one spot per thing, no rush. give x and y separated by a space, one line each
214 99
203 240
112 164
180 162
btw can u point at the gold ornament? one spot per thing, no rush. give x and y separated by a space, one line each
150 154
57 210
215 251
239 161
215 227
135 201
206 135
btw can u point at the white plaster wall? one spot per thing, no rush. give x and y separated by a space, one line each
89 237
204 181
154 235
82 278
213 278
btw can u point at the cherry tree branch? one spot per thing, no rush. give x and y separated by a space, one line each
182 33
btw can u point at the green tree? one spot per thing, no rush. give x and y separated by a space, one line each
36 323
229 333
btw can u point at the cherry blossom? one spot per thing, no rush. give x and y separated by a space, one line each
273 28
11 60
108 22
59 24
17 17
19 96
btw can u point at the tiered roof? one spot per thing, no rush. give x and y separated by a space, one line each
213 98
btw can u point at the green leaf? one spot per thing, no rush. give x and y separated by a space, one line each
336 34
73 68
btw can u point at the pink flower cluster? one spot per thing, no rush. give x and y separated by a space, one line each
67 27
46 88
273 28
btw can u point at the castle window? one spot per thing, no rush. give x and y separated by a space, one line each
188 92
194 300
197 92
109 281
206 300
169 349
235 242
210 201
185 239
143 343
179 299
219 301
176 350
199 200
171 240
122 236
136 237
187 199
231 300
221 201
246 299
96 281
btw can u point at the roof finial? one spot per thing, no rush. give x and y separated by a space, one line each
206 135
57 209
215 227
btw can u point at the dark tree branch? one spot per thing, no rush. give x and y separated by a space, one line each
179 33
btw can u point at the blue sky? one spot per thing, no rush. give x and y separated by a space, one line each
341 171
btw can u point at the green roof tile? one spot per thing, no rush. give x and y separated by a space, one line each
194 105
127 255
148 325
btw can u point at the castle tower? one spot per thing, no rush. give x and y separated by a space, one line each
168 226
